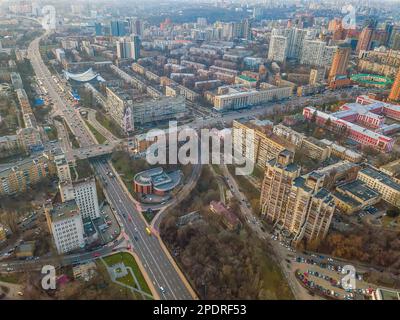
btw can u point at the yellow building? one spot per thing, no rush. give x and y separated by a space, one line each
299 205
256 141
3 234
381 182
25 174
315 149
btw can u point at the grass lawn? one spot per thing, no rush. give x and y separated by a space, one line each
99 137
128 294
83 168
10 278
52 134
129 261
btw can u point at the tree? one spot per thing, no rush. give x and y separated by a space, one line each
328 123
393 213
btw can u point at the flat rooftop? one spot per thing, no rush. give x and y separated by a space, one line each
65 210
382 177
359 190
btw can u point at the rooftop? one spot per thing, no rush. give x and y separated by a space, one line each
160 180
358 190
65 210
382 177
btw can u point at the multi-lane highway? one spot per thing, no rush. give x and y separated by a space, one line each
158 266
164 275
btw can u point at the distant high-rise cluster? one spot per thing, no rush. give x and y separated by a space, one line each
128 48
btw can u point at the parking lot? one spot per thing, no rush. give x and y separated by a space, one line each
107 225
324 278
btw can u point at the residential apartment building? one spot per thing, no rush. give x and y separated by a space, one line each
278 178
381 182
315 149
317 53
128 113
278 48
311 147
85 194
256 141
379 61
298 206
26 174
286 43
66 226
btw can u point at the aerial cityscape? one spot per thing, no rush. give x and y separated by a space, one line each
200 150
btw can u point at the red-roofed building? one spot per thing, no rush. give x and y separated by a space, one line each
230 220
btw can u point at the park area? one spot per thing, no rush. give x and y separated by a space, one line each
123 269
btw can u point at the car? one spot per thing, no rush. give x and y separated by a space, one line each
96 255
162 289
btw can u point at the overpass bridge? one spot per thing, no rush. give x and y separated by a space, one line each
92 151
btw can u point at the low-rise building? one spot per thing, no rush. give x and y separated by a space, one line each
26 249
342 152
25 174
238 96
229 219
315 149
9 145
382 183
156 181
354 196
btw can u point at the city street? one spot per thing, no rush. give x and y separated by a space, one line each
153 257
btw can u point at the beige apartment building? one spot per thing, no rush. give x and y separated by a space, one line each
381 182
256 141
299 205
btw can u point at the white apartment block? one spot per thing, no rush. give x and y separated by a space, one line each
65 224
317 53
286 43
85 194
278 48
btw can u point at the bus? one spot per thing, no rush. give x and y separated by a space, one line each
148 231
